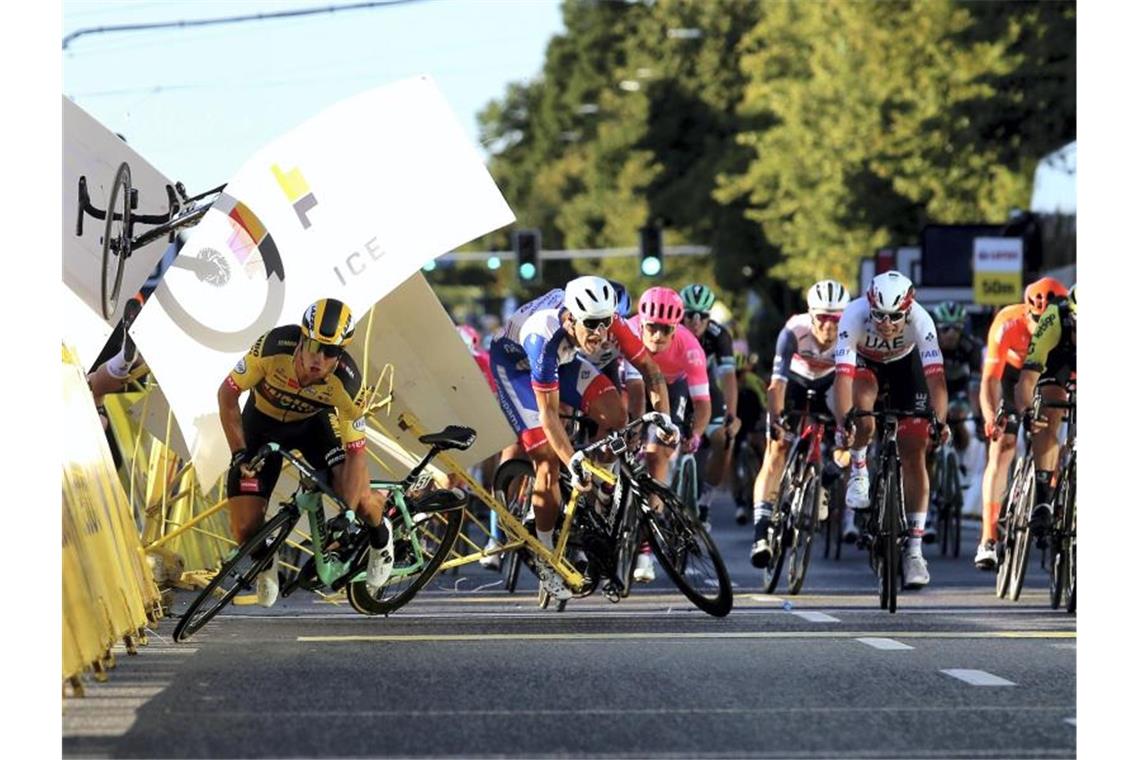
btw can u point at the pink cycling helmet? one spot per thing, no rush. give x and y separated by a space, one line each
661 305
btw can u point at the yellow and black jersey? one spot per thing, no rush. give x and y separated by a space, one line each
268 372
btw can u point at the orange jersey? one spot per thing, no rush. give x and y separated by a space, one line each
1008 341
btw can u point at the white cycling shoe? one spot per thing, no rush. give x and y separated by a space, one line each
380 562
551 581
644 572
914 571
268 585
494 561
986 558
859 491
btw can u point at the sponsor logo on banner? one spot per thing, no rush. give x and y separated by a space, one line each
997 270
296 189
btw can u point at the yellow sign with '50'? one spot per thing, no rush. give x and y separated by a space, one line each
997 288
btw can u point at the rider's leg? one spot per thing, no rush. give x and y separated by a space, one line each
913 438
1046 445
994 482
767 483
864 391
547 498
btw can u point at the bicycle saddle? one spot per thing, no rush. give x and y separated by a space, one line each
451 437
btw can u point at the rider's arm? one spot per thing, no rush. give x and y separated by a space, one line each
990 397
548 416
776 390
635 389
726 371
786 344
244 376
638 355
702 413
926 343
697 377
850 333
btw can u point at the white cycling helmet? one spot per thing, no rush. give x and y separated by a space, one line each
891 292
827 296
590 297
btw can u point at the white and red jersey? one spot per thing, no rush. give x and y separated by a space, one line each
684 358
858 336
798 353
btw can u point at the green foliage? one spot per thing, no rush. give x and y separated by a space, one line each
793 137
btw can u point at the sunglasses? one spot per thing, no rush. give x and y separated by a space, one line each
948 328
593 324
655 327
692 314
310 346
885 316
826 318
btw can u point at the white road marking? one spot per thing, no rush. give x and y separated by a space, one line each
977 677
1071 721
815 617
889 645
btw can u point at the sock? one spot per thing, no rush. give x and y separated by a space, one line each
761 516
378 535
705 494
917 523
990 514
859 462
1044 486
546 537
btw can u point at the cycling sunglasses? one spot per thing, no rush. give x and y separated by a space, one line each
701 314
310 346
656 327
826 318
886 316
593 324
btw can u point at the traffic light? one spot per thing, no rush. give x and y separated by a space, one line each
652 257
528 245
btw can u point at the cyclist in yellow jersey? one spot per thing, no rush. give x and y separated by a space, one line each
1049 365
305 393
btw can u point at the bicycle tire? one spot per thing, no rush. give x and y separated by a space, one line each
804 530
1005 539
781 526
1071 605
688 485
1059 547
516 497
241 569
440 529
889 538
629 544
1023 540
954 504
678 540
120 189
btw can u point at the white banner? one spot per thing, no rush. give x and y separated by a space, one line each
347 205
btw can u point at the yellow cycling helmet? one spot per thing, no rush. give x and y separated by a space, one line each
329 322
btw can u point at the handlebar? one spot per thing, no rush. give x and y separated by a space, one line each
615 439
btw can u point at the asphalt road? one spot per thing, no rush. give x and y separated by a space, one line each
469 670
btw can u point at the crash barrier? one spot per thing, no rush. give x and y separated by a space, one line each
109 593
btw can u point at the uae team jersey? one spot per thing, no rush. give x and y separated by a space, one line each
537 328
684 358
858 337
799 356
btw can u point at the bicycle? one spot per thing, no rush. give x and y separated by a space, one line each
946 497
119 221
1013 542
799 500
1062 536
610 538
424 531
884 528
746 468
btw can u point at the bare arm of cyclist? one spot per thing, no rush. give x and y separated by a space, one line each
230 413
654 381
552 424
776 390
635 390
990 397
702 413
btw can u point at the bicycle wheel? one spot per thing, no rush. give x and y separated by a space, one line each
1022 539
513 485
419 551
1006 534
688 484
804 517
237 574
116 240
1059 546
953 504
889 537
629 543
1071 606
684 549
781 530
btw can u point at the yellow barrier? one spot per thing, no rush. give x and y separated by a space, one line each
108 590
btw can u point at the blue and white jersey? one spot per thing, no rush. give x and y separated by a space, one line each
536 328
